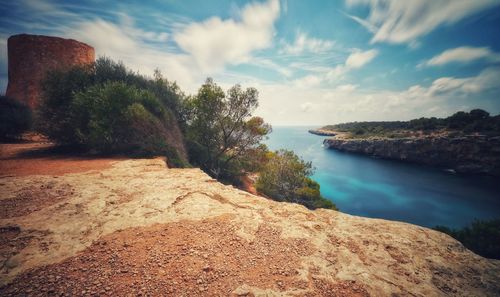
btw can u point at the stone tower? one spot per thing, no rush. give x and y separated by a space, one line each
31 56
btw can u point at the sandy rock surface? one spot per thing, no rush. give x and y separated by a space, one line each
136 227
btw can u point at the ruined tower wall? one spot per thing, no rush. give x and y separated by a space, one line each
31 56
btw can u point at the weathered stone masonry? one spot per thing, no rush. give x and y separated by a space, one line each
31 56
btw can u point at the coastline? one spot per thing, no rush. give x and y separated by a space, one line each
322 132
468 155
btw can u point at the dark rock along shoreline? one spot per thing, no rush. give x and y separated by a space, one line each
470 154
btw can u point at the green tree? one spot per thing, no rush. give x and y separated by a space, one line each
116 117
481 237
221 128
60 86
53 118
285 177
479 114
107 108
15 118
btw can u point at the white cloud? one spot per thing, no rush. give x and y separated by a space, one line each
452 87
344 103
269 64
308 81
486 80
368 26
3 49
207 47
132 29
303 44
355 60
215 42
446 84
464 54
106 37
359 58
117 42
397 21
346 88
306 107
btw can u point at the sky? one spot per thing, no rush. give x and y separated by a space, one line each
313 62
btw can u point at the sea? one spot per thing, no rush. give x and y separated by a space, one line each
394 190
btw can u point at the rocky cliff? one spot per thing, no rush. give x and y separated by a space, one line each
137 227
31 56
322 132
472 154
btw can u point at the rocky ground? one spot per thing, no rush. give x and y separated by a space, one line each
134 227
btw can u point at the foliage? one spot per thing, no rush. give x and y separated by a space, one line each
15 117
481 237
53 118
477 120
168 93
60 86
221 129
109 109
114 117
285 177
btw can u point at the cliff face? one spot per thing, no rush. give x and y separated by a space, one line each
138 227
31 56
463 154
322 132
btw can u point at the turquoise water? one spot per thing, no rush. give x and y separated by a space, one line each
370 187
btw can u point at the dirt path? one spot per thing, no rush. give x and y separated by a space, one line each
39 158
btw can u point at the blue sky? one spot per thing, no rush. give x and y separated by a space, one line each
313 62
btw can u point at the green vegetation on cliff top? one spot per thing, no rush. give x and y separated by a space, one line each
460 123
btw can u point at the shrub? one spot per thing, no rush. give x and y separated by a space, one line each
169 94
481 237
60 86
285 177
119 118
15 118
107 108
53 118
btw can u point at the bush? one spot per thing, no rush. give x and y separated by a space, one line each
119 118
60 86
15 118
107 108
53 118
285 177
481 237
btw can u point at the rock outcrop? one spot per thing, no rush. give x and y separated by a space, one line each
471 154
31 56
322 132
139 228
